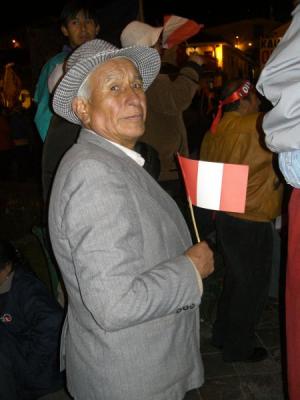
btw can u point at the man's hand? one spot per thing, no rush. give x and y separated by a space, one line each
202 257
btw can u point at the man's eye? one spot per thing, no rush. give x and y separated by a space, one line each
114 88
138 85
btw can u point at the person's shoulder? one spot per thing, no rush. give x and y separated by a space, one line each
157 84
238 118
236 124
25 277
52 62
56 59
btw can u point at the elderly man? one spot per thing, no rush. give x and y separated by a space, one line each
133 279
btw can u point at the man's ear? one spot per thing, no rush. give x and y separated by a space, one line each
80 108
64 30
97 29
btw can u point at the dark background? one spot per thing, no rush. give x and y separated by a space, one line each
207 12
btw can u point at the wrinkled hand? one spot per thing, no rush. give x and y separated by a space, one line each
202 257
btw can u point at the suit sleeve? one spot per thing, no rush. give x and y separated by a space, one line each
117 284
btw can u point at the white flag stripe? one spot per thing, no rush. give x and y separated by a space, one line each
209 184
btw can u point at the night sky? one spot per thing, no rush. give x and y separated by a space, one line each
207 12
219 12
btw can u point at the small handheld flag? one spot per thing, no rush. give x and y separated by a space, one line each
216 186
177 30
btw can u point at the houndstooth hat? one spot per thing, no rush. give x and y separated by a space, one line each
88 56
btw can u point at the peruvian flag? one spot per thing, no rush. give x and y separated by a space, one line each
177 30
216 186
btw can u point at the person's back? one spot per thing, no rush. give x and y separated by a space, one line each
238 140
245 240
165 128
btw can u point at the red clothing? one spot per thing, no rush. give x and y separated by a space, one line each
293 297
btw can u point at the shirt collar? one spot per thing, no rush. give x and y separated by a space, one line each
130 153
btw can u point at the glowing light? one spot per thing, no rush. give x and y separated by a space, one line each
15 43
219 54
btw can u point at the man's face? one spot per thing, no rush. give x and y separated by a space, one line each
79 30
116 109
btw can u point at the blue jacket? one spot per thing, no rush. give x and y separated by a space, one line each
42 96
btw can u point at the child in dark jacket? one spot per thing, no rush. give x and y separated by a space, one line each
30 325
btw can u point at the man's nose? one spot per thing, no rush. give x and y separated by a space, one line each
133 94
83 26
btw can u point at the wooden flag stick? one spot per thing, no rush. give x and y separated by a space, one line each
193 219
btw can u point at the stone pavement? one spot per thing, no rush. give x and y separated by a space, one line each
263 380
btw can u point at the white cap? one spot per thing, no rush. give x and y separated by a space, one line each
137 33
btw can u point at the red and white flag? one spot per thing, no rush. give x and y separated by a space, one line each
177 30
216 186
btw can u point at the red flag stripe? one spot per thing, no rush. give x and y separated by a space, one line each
234 190
189 170
181 29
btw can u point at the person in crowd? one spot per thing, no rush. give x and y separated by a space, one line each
279 83
244 240
166 100
133 278
30 327
78 24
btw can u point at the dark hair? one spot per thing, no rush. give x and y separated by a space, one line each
72 8
228 88
9 254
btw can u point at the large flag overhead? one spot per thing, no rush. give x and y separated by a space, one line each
216 186
177 30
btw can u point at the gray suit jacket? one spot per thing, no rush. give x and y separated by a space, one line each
132 326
